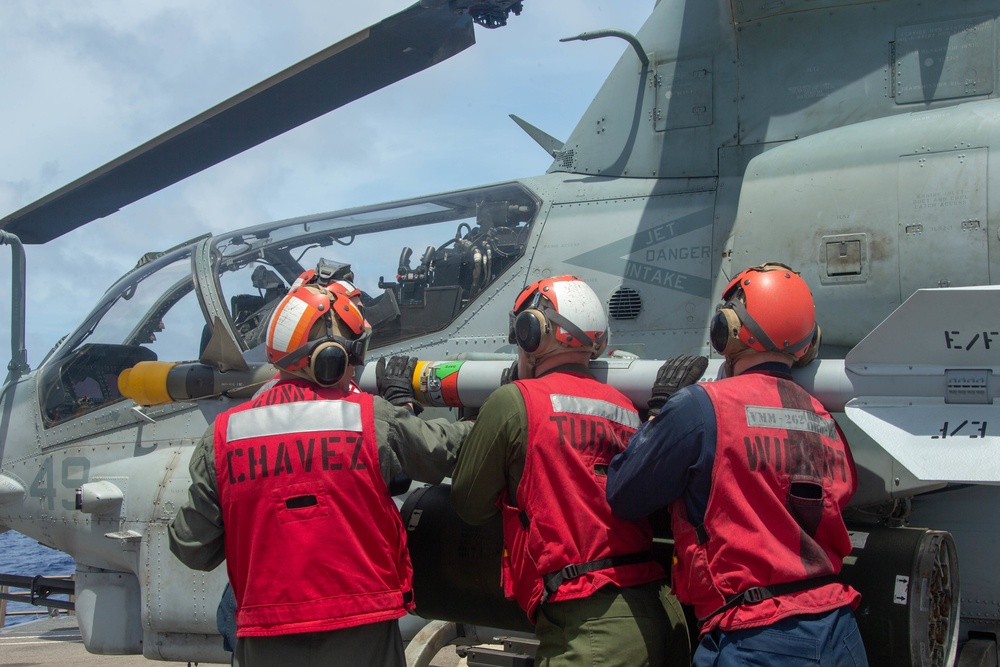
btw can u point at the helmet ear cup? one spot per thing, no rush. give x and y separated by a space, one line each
725 331
531 330
327 364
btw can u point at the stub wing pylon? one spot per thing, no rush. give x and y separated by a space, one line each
937 358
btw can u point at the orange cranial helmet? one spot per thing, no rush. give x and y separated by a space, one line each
316 331
767 308
559 312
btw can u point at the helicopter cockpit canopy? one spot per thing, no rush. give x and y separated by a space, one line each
419 264
464 239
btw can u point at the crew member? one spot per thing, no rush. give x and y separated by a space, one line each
292 490
539 454
756 473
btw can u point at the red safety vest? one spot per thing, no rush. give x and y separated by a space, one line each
313 540
562 518
758 530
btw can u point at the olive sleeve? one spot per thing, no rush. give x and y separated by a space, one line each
423 450
492 457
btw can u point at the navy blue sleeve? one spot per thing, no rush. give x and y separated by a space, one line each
669 456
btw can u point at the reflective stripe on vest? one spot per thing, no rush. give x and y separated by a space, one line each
595 408
307 417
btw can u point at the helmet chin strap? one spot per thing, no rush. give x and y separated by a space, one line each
747 320
529 368
567 326
731 359
531 360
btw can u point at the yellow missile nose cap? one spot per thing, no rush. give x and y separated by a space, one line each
146 382
415 380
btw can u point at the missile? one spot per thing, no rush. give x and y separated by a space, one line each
468 383
156 382
924 384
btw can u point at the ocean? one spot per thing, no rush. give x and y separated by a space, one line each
23 556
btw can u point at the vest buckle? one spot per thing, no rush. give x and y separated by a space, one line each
756 594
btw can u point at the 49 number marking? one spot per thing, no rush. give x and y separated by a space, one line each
74 472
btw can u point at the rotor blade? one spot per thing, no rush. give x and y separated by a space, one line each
389 51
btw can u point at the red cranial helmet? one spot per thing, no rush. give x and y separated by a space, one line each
767 308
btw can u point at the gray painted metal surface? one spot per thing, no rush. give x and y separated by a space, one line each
852 140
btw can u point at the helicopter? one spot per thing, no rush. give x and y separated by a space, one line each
850 139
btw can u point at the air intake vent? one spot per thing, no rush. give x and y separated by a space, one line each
625 304
566 158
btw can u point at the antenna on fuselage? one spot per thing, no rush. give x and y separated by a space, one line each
627 36
543 139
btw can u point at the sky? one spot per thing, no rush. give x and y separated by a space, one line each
84 82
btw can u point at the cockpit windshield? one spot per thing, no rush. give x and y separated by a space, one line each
419 264
152 313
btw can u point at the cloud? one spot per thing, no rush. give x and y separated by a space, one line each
94 80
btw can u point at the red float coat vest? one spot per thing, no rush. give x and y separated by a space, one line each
313 540
761 527
562 518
